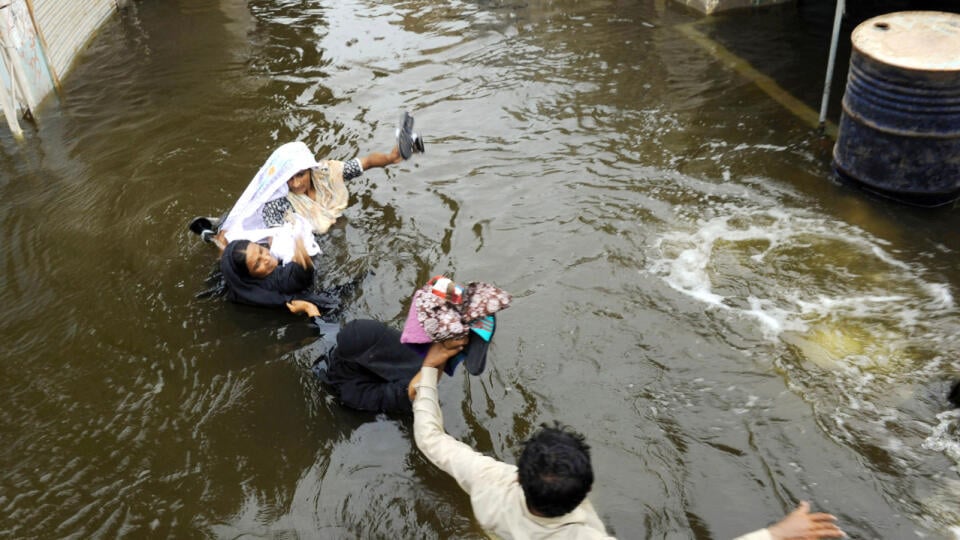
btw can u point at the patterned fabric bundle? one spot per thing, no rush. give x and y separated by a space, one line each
442 310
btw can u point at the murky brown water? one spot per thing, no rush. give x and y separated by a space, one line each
731 329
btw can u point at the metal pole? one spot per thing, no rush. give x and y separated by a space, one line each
837 17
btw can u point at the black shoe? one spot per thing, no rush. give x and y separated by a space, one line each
200 224
405 136
418 143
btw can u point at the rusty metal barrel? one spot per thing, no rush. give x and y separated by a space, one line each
899 132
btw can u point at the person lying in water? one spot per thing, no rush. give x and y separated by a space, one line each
292 182
317 191
370 366
252 275
291 198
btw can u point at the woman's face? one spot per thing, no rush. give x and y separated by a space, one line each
299 182
259 261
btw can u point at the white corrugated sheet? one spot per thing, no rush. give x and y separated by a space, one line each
67 25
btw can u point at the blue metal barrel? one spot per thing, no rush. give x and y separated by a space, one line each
899 131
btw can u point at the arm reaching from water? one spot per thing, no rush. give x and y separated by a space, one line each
799 525
378 159
302 306
437 357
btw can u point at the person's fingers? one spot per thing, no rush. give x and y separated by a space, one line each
803 507
827 531
820 516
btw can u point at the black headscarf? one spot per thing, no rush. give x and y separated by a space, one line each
285 283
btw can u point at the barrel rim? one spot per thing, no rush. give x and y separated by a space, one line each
863 26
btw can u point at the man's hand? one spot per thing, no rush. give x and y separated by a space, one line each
442 351
802 525
302 306
437 356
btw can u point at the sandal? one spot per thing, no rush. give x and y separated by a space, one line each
418 143
408 142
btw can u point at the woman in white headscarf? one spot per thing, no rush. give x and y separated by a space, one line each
292 182
294 195
316 190
281 271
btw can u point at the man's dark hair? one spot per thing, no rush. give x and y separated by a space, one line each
554 470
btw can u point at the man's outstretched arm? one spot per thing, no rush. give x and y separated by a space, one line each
467 466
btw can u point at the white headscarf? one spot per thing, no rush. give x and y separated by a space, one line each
245 220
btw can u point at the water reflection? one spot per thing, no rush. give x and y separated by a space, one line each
732 330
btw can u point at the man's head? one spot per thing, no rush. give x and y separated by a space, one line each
554 470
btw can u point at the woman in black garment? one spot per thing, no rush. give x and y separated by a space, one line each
253 276
371 366
366 366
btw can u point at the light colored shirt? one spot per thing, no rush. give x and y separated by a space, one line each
494 489
495 494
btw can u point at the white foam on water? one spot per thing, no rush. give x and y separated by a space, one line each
944 435
941 294
872 327
801 273
885 257
773 320
689 275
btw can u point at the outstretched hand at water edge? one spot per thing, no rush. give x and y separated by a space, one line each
802 525
302 306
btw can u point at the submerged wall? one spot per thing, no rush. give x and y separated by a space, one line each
708 7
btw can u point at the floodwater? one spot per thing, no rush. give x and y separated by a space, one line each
733 330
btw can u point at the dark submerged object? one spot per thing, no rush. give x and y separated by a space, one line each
899 132
954 395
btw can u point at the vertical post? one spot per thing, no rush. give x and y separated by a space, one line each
837 17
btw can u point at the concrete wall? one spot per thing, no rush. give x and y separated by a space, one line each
67 26
39 41
708 7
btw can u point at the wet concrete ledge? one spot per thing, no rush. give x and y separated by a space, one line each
708 7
